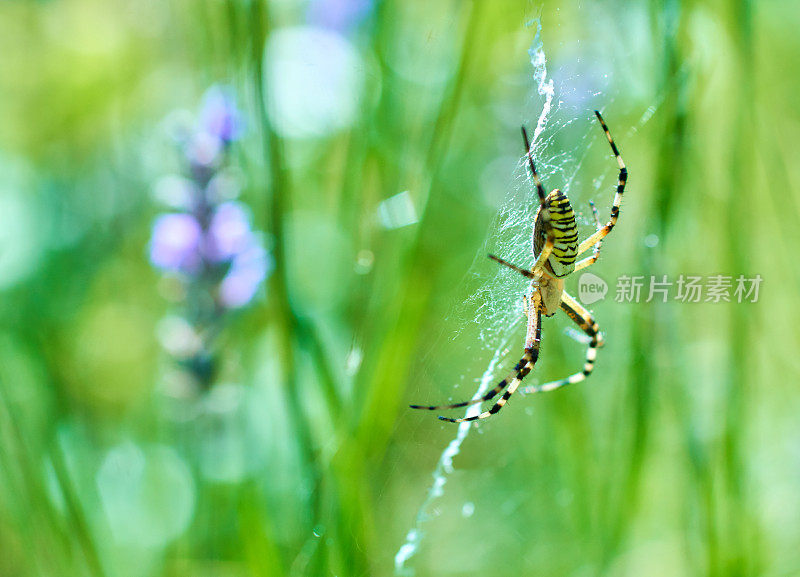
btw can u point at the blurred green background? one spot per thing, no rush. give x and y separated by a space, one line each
681 454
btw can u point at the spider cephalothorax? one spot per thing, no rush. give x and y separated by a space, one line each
556 249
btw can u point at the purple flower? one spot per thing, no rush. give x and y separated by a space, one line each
228 232
248 270
219 116
175 242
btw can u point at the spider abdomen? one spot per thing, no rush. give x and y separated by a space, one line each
565 234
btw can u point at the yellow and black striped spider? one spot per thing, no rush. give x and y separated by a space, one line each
555 248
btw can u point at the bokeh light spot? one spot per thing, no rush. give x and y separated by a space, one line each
315 77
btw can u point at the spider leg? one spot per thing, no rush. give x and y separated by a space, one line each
528 360
524 272
547 250
588 325
539 187
520 366
533 310
520 270
590 260
623 178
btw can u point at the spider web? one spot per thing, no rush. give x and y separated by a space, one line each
493 309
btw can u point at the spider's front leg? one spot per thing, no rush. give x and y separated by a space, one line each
623 178
535 271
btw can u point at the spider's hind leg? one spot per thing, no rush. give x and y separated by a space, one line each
518 369
588 325
518 372
512 381
532 342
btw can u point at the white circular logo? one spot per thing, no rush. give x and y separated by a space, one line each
591 288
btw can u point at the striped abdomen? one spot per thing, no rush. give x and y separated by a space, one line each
565 230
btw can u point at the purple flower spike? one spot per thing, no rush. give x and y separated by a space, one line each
175 242
219 116
229 232
247 272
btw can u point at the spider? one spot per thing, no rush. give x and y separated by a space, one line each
556 249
